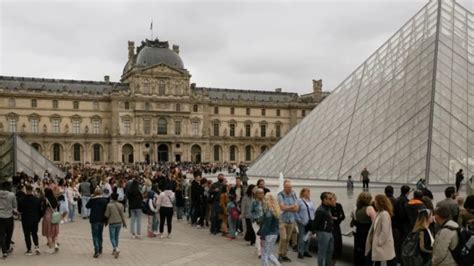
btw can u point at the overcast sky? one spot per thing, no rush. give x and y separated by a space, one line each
240 44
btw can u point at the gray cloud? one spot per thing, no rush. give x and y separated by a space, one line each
262 45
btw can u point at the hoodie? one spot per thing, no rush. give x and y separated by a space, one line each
412 208
446 239
166 199
7 204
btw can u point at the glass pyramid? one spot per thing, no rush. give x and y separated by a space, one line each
16 155
406 112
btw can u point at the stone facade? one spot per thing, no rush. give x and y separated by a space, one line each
153 114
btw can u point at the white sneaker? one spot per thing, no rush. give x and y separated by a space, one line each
162 236
168 236
198 227
50 251
37 251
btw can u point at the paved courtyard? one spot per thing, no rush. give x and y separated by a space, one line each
188 246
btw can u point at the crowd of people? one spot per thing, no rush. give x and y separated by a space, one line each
407 230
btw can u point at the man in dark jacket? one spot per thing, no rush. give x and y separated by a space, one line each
400 227
412 208
97 206
323 226
459 179
197 193
30 209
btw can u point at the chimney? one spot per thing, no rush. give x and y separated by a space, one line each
317 90
176 48
107 78
278 90
193 86
131 48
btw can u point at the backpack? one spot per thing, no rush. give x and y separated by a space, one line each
463 253
146 207
411 250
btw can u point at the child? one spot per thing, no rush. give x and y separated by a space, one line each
233 216
153 220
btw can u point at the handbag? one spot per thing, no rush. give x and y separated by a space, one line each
55 216
309 226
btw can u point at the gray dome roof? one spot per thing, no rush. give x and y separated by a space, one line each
149 56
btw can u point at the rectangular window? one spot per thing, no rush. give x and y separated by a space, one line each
278 131
303 113
161 88
177 127
232 130
232 111
126 127
55 104
248 127
195 108
216 110
216 153
33 103
12 124
146 126
263 131
247 111
11 103
76 126
216 129
263 112
75 105
34 125
96 126
195 128
55 125
95 105
278 112
178 107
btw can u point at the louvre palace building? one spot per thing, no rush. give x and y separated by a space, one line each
153 114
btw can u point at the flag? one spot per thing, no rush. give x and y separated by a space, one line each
281 180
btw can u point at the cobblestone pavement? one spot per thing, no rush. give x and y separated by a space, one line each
187 246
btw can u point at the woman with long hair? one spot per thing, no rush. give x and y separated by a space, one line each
223 200
269 229
426 238
61 194
362 218
50 229
135 199
247 215
380 246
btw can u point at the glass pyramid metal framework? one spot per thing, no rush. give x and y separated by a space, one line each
16 155
407 112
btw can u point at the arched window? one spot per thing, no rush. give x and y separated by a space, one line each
77 152
56 152
248 153
127 105
97 152
147 106
232 153
162 126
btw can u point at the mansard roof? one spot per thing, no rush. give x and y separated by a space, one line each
60 85
248 95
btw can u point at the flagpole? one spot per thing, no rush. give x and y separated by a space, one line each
151 30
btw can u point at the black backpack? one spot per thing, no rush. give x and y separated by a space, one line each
411 250
463 254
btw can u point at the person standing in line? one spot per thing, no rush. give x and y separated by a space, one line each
446 238
399 225
8 206
97 205
362 218
364 176
379 245
165 203
30 209
338 215
50 228
135 199
324 226
269 229
450 202
233 214
153 218
459 179
85 191
247 215
425 237
289 207
214 198
304 220
116 219
256 210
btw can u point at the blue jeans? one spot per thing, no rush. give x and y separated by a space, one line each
303 246
85 212
179 213
267 250
97 229
114 232
72 211
325 248
135 221
232 226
